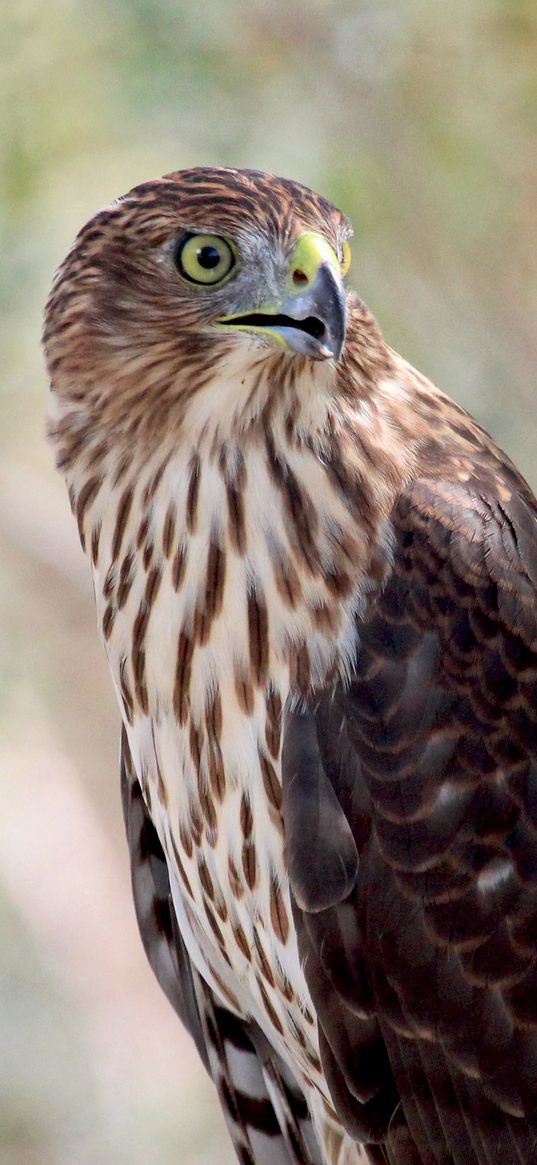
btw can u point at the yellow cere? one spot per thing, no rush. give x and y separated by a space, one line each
310 252
205 259
346 258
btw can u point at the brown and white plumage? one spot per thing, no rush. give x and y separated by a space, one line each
315 579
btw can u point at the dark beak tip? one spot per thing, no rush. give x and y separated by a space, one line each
331 348
333 312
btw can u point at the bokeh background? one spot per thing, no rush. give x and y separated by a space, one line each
419 119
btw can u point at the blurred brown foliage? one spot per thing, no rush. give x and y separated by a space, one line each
420 121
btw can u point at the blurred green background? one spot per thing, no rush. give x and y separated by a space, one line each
419 119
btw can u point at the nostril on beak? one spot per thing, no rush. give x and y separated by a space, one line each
299 277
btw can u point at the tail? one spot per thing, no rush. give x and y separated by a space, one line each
266 1112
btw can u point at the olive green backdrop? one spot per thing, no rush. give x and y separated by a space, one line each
419 119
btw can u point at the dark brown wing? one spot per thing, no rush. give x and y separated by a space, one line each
422 956
265 1111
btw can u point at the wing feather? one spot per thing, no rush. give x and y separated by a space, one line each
427 968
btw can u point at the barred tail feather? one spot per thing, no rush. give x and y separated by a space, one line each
265 1111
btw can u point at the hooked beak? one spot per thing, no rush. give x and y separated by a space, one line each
312 317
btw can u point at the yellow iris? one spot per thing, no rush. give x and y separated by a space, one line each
204 259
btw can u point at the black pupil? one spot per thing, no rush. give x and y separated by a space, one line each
208 257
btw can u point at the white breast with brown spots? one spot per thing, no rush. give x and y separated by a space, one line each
228 576
216 612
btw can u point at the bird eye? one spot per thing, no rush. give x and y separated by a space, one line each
205 259
346 258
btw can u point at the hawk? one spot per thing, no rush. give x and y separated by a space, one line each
315 579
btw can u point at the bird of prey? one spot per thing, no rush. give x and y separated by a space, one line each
315 580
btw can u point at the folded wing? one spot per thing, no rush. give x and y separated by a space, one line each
422 961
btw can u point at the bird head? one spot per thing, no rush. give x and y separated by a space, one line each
199 272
